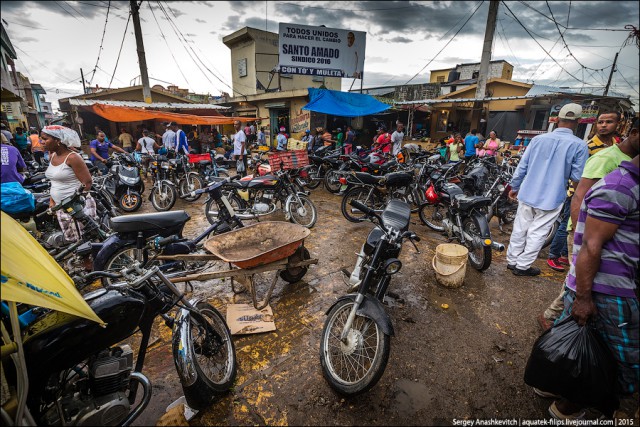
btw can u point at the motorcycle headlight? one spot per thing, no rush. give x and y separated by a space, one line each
392 266
501 188
129 180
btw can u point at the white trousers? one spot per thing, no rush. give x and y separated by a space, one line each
530 230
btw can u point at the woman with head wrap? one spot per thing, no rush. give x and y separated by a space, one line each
67 172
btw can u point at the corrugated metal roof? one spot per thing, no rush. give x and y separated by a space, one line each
460 100
379 91
540 90
140 104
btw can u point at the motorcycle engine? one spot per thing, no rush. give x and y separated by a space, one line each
53 240
96 397
263 202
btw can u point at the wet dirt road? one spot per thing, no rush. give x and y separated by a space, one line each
466 361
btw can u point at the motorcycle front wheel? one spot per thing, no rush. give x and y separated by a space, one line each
211 208
314 179
354 366
214 357
362 195
551 234
479 257
432 216
191 182
130 201
332 181
303 212
163 197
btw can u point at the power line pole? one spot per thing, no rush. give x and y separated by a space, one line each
84 87
613 69
477 115
489 32
146 89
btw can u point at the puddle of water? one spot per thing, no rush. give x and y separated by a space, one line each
411 396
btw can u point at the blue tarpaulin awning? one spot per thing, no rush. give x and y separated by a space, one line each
344 104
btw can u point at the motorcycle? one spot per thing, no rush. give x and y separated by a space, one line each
139 237
460 217
355 340
263 195
123 183
374 191
74 371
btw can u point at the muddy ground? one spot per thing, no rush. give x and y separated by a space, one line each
463 362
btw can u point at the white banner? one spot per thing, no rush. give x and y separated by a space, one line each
320 51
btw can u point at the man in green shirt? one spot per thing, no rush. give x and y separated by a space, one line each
339 138
597 166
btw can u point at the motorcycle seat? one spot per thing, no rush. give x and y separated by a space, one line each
397 215
204 162
369 179
467 202
148 221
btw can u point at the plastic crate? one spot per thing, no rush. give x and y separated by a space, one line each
294 159
195 158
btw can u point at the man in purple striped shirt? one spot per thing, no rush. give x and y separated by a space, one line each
601 284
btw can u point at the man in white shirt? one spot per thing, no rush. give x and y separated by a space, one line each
396 139
239 144
169 139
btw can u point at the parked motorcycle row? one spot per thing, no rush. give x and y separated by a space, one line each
79 373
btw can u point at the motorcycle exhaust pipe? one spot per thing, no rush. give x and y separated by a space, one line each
497 246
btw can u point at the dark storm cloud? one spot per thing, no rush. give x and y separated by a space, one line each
86 9
202 21
400 39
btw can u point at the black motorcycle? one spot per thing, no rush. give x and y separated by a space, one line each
123 183
460 217
139 237
355 340
77 372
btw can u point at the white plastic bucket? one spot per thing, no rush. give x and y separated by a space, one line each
450 264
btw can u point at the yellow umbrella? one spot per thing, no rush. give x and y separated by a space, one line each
31 276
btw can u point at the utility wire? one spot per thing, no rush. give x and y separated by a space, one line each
124 36
190 48
28 26
506 41
66 11
75 10
627 81
350 10
444 47
104 31
566 27
538 43
47 67
165 42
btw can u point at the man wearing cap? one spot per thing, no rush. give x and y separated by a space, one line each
539 183
282 140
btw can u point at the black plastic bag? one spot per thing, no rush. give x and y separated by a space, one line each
574 362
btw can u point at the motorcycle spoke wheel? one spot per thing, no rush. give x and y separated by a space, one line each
360 194
189 183
354 366
304 212
314 180
124 258
163 197
214 357
479 256
211 208
432 216
332 181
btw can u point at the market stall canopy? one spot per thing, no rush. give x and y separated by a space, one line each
31 276
131 114
343 104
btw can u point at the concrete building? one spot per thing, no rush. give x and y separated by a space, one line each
465 75
259 91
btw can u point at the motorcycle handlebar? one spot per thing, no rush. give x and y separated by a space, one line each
362 207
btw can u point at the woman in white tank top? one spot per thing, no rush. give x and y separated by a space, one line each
67 172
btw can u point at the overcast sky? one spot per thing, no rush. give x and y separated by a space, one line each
54 39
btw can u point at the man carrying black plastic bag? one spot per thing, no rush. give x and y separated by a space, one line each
600 292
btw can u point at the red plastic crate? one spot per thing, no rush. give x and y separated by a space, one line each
293 159
195 158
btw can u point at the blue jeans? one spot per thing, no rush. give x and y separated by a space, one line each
558 246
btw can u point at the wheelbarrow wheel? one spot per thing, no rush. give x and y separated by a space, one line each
296 274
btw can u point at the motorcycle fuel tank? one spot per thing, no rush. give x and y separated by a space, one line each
56 342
